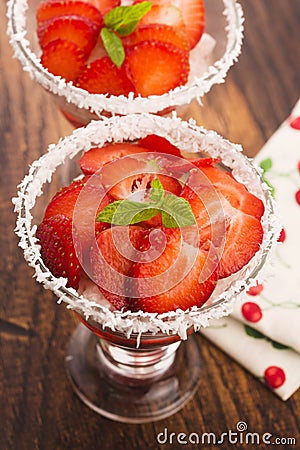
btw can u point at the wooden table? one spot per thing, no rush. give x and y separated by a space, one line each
38 408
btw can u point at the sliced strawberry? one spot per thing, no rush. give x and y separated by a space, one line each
159 144
236 193
79 30
193 14
80 202
54 8
96 158
102 76
111 259
104 5
244 235
141 183
158 32
63 58
58 250
181 277
156 67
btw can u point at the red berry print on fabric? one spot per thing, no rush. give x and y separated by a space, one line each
297 197
274 376
282 236
295 123
251 312
255 290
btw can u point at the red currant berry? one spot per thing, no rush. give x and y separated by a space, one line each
255 290
274 376
295 123
297 196
298 166
282 236
251 311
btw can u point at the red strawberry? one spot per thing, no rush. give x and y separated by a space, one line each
181 277
102 76
111 259
84 195
58 250
63 58
159 144
158 32
156 67
244 235
79 30
104 5
96 158
234 192
193 14
226 214
54 8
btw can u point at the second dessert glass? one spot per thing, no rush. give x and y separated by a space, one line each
136 367
224 23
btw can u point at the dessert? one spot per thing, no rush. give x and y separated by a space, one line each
106 47
153 230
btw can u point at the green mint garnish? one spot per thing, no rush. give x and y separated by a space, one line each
121 21
175 211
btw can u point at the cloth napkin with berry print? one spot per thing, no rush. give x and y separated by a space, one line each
263 333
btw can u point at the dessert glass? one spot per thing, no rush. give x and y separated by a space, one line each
136 367
224 23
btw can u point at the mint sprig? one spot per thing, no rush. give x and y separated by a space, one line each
176 212
121 21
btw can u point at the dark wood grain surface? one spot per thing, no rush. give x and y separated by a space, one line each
38 409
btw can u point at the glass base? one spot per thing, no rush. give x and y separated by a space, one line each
141 385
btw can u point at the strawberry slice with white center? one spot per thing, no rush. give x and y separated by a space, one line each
156 67
58 252
193 14
54 8
63 58
227 215
111 259
181 277
101 76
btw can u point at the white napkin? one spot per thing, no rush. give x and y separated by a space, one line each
263 333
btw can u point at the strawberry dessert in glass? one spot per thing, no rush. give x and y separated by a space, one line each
158 227
104 57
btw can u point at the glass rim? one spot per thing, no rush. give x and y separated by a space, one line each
136 126
97 103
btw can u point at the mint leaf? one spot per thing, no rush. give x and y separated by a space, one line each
253 332
157 192
124 19
126 212
176 212
180 210
113 45
266 164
